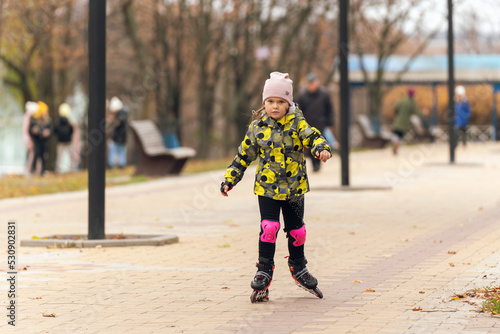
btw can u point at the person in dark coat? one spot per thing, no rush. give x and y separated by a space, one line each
316 104
40 131
117 122
67 144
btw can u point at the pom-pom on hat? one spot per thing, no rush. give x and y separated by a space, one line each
460 90
43 110
278 85
64 110
31 107
115 104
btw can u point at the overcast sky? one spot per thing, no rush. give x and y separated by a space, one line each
487 10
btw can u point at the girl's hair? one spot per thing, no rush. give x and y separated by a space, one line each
258 114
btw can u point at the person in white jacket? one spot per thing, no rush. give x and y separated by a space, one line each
30 109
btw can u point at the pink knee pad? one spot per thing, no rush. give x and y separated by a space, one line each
269 231
299 235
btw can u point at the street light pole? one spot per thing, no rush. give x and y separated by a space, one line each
344 90
451 84
96 119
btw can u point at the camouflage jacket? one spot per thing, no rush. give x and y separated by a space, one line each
281 173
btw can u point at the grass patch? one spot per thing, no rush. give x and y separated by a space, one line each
492 306
199 166
21 186
491 296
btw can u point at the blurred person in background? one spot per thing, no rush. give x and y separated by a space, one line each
30 109
40 131
462 113
117 127
316 104
67 140
402 112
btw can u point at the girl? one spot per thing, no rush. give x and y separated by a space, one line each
40 131
279 135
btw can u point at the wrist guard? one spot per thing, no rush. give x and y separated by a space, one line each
225 183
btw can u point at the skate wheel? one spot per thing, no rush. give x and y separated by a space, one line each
253 297
318 293
259 296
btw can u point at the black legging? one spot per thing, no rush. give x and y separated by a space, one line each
40 149
293 215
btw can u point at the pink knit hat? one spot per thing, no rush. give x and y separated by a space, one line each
278 85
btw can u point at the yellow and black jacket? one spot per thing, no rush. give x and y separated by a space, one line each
280 144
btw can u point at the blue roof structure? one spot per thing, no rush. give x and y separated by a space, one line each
430 69
428 63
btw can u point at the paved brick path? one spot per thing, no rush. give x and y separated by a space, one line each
436 233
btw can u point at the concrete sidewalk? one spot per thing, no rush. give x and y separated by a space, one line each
436 233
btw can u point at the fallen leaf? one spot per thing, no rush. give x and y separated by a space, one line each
156 218
451 264
224 246
356 281
369 290
421 292
35 237
452 252
455 298
386 255
417 309
49 315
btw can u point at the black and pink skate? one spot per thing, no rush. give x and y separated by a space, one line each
303 278
261 282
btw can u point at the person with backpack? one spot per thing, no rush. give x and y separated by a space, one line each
65 131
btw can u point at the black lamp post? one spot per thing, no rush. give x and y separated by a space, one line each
451 84
344 90
96 119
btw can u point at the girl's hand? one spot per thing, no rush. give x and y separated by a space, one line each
324 155
224 191
225 187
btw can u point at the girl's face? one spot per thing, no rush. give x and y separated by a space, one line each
276 107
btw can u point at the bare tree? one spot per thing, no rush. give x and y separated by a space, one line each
170 37
384 34
211 55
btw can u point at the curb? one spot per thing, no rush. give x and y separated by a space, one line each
69 241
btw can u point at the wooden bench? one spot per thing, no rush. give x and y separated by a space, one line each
419 133
370 137
154 158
